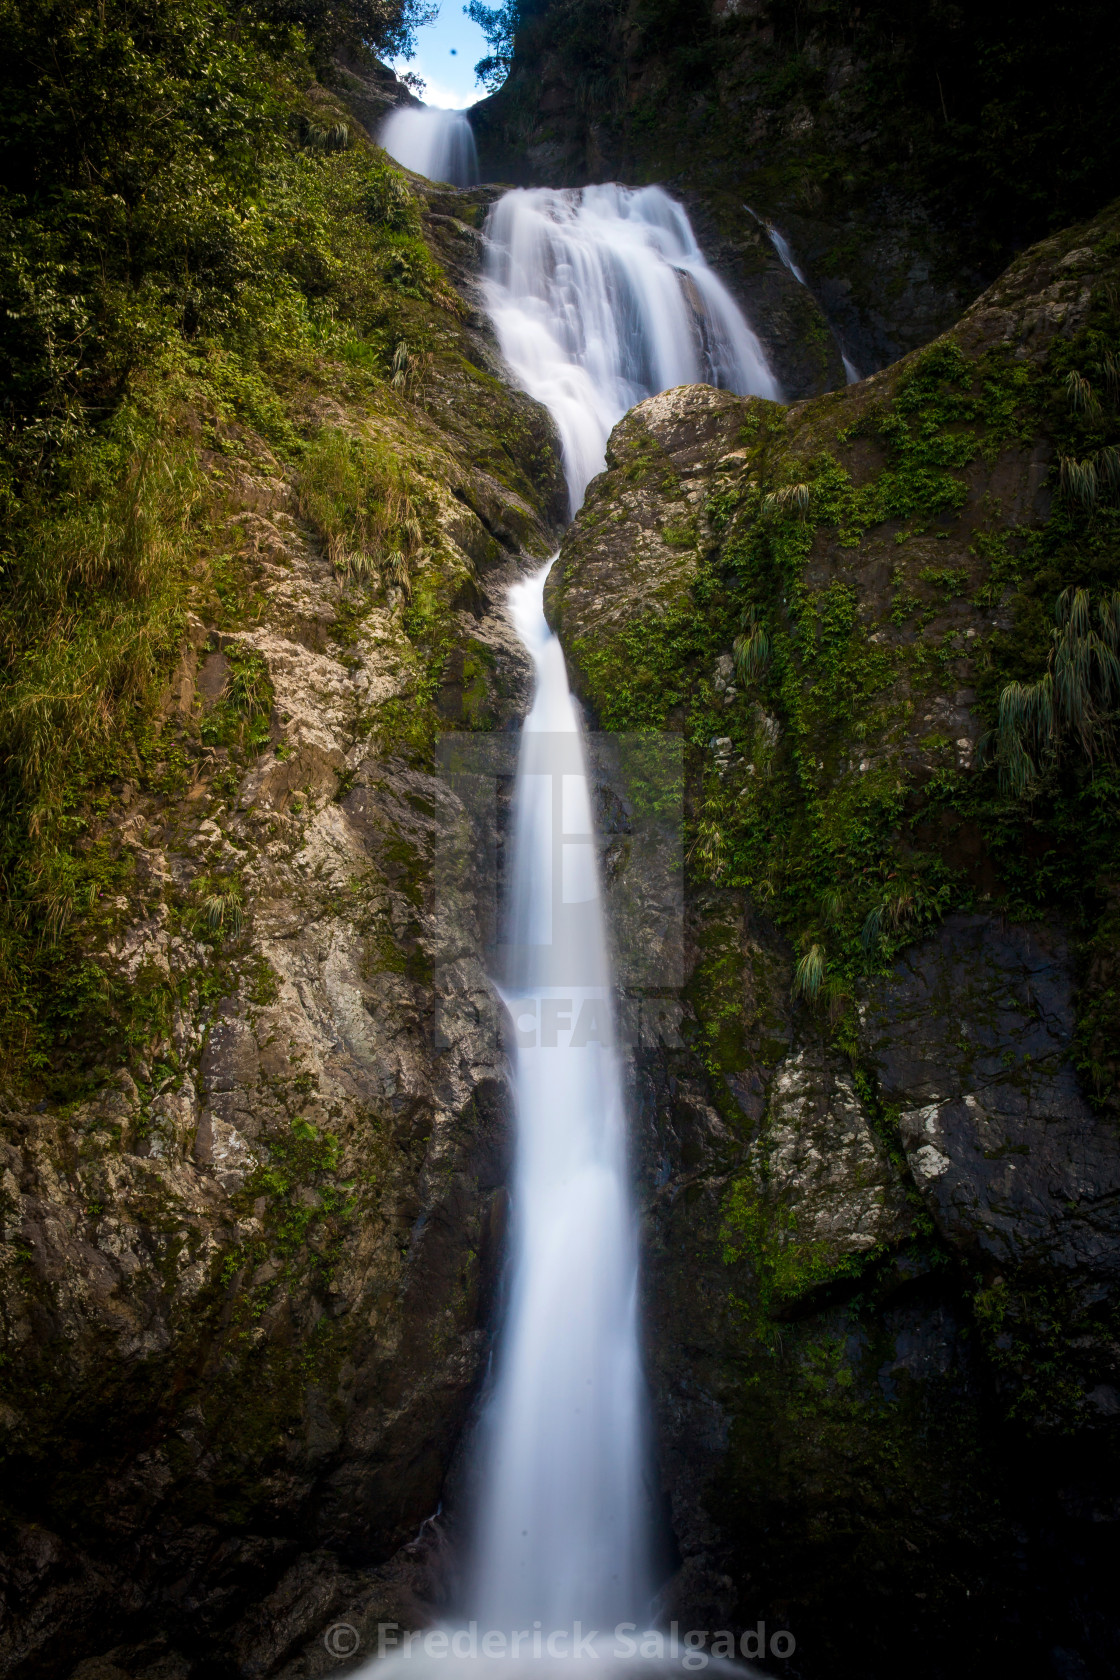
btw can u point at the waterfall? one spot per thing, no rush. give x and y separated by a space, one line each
601 296
438 144
560 1535
781 245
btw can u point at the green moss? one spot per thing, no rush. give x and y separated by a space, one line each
786 1267
478 666
1030 1331
821 817
264 986
715 991
116 525
639 678
849 1480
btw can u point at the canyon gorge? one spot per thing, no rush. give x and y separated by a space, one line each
833 498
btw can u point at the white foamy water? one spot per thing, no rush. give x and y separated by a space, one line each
560 1535
438 144
600 296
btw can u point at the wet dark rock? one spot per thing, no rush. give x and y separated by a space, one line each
972 1038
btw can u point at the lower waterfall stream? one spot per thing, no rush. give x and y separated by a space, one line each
560 1534
600 297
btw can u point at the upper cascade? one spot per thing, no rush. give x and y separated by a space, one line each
431 142
600 297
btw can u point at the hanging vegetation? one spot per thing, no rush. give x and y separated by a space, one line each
1073 703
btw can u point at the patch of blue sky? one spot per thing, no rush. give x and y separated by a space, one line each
446 54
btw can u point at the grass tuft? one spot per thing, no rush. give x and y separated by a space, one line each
358 497
224 911
808 976
1078 480
1082 397
1073 700
751 649
93 609
790 499
1108 371
710 849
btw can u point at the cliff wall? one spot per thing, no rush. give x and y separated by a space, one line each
252 1170
879 1159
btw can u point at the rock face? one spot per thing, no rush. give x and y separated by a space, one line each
871 141
370 90
1015 1169
821 1159
880 1169
248 1281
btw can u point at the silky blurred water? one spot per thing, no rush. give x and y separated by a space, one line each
600 296
435 143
